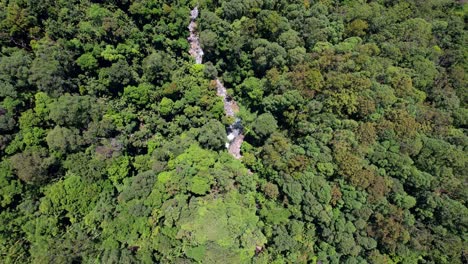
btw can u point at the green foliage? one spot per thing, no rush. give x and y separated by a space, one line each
264 125
166 106
157 67
200 185
62 139
225 223
87 61
213 135
140 95
71 197
72 110
33 165
267 55
118 169
274 214
112 141
10 188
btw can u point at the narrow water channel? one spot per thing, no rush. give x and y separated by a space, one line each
235 136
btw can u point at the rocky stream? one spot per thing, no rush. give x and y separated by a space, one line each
235 135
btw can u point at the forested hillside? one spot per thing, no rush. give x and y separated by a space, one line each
113 139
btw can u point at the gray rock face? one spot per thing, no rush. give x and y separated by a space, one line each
195 49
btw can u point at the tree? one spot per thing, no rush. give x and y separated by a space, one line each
87 61
233 9
14 71
267 55
208 40
115 77
17 24
72 110
253 88
157 67
271 24
213 135
166 106
112 141
290 39
140 95
357 27
271 190
50 71
264 125
80 198
63 139
10 188
7 121
33 166
416 30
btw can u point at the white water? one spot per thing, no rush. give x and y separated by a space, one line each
235 136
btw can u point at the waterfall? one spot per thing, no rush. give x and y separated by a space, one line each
235 136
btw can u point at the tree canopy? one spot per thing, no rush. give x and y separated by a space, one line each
113 140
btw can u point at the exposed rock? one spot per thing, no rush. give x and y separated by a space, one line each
235 136
195 49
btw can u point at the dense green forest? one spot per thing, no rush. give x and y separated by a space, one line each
112 138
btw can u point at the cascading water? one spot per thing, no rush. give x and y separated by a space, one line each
235 136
